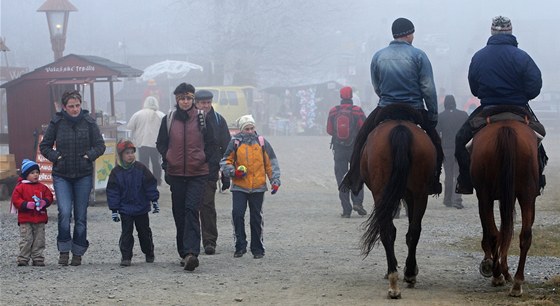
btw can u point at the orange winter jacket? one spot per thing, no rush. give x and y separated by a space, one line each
260 161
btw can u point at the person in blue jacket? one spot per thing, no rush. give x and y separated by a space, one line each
130 190
499 74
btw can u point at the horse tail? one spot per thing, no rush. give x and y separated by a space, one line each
506 148
400 140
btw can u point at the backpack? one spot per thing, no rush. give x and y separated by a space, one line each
344 124
236 144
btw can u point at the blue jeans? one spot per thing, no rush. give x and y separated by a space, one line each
72 195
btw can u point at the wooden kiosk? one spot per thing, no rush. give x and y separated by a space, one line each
34 98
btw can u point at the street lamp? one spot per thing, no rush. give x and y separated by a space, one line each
57 17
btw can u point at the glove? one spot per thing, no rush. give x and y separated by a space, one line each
115 216
225 183
241 171
155 205
42 204
30 205
274 189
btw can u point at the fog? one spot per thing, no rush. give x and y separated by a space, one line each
284 42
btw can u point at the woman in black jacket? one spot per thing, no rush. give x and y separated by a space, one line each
72 142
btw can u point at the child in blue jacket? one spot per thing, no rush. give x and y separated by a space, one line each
130 189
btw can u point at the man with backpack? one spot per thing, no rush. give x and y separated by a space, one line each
343 124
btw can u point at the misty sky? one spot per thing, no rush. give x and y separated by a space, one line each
449 31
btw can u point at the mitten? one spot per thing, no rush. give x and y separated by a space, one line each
241 171
30 205
155 205
115 216
225 183
42 204
274 189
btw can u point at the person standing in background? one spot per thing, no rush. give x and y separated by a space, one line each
78 143
144 125
343 124
450 121
203 101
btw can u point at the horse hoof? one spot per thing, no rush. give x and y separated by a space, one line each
394 294
498 281
516 289
485 267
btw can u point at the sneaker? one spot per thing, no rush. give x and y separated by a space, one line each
22 263
258 256
360 209
150 258
76 260
191 262
39 263
210 250
345 215
239 253
126 262
458 206
64 258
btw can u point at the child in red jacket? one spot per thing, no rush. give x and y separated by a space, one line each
30 201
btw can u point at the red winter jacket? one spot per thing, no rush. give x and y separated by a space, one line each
23 193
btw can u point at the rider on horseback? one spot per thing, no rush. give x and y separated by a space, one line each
400 73
500 74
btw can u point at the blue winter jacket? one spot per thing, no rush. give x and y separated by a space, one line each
501 73
401 73
130 191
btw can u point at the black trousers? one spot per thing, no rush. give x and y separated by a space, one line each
208 216
126 242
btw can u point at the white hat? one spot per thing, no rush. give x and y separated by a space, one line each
244 121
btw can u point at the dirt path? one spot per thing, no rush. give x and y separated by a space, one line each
312 255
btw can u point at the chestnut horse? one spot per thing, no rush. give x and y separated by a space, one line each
504 167
397 162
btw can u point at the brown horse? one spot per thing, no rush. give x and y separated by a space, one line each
504 167
397 162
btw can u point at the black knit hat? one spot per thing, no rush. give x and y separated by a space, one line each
402 27
184 88
449 102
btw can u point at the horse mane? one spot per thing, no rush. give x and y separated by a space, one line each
398 111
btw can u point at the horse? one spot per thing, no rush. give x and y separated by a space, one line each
397 162
504 167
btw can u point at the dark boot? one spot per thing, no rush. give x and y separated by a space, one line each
543 159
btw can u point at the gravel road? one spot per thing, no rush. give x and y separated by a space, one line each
312 255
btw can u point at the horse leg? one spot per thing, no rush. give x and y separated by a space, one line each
489 233
387 237
525 239
417 208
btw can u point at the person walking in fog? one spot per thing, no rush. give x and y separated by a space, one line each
30 200
144 125
78 144
222 137
249 159
500 74
130 191
187 145
400 73
450 120
343 124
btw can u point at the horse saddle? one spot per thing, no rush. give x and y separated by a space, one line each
493 114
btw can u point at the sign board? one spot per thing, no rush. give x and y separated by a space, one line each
104 164
45 168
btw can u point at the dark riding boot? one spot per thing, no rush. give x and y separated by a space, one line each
464 184
543 159
435 187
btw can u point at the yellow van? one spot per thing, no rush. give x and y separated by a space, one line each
231 102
